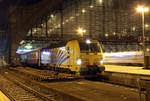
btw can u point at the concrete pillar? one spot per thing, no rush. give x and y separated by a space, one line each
13 50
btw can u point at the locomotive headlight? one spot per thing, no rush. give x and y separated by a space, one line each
79 61
101 61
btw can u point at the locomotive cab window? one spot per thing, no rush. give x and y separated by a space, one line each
92 47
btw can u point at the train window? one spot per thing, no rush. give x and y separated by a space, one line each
92 47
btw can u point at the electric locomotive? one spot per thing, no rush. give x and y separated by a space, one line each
79 57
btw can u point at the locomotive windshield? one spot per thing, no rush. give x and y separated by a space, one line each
92 47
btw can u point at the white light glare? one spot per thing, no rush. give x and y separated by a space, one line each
100 1
146 25
79 61
91 6
81 30
52 16
62 48
83 11
101 62
146 9
142 9
88 41
134 28
46 53
106 35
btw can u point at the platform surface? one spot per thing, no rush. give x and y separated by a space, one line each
127 69
3 97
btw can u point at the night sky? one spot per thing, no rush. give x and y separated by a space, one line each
4 8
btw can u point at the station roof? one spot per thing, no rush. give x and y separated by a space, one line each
23 17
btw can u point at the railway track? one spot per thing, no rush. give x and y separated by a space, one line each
50 93
17 91
44 75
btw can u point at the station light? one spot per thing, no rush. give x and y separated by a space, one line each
34 30
142 9
133 28
67 20
81 30
146 9
83 10
106 35
139 9
52 16
146 25
100 1
91 6
114 33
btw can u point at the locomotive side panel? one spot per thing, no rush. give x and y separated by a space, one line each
73 54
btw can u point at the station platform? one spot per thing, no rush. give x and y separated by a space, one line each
127 69
3 97
132 76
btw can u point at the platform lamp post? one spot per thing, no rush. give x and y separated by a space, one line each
142 10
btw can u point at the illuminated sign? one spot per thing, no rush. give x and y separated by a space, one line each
28 46
23 50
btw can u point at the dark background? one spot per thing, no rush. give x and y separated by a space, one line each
4 9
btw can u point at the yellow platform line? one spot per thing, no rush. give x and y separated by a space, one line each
3 97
